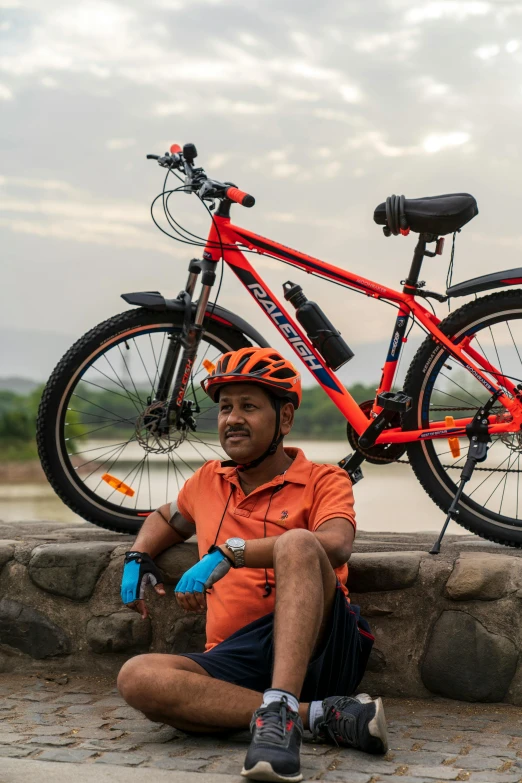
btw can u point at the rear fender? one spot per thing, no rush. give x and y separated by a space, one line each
486 283
154 300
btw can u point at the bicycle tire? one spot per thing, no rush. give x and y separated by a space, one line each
60 386
420 380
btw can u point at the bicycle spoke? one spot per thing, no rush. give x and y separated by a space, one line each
143 363
514 343
75 394
111 391
158 372
461 387
84 434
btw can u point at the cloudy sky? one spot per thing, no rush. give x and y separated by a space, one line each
320 113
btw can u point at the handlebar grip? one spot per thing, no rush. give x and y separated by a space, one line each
153 157
240 197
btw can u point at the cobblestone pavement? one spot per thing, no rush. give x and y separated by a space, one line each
84 721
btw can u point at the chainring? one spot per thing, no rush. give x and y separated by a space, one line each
381 453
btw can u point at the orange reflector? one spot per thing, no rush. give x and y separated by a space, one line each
118 485
209 367
454 443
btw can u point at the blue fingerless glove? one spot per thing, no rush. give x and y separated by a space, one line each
139 570
210 569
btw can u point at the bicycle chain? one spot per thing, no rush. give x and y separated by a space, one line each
457 467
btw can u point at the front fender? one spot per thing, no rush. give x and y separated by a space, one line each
154 300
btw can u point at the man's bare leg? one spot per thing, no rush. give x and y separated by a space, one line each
306 584
176 690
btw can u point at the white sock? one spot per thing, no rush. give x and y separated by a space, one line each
274 694
315 712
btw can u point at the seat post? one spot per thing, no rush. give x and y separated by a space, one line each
410 284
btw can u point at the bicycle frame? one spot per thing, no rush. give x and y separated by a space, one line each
222 244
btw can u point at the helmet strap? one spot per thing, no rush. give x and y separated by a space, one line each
276 440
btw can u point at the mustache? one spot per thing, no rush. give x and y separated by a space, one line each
235 431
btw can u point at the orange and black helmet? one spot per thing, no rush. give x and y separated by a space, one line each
264 366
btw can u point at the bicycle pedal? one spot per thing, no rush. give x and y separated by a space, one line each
398 401
354 469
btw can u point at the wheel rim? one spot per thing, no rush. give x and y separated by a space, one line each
494 493
101 424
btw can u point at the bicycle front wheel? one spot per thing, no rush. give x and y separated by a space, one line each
491 505
96 433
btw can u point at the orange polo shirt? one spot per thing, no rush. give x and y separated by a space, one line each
304 497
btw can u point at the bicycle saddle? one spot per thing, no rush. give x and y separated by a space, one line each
434 214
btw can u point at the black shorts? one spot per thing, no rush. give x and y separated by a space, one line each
336 669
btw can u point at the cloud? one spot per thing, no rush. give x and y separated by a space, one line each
436 142
456 10
120 144
350 93
487 52
5 93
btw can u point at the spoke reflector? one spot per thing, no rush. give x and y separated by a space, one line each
454 443
118 485
209 367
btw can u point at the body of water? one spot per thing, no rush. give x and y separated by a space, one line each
388 499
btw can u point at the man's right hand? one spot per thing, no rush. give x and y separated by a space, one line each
139 570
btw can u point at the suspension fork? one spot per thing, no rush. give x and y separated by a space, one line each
191 335
174 347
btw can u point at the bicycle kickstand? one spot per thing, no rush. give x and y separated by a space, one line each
479 440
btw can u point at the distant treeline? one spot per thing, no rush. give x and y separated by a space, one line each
17 424
317 418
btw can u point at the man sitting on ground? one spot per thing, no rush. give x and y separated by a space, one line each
274 532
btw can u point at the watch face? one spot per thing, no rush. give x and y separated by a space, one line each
235 542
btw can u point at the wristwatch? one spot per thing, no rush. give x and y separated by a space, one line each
237 547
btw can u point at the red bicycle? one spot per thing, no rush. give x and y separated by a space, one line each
123 420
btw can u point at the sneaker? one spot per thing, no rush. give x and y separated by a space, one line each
273 754
353 721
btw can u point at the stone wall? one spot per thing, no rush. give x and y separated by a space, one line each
448 625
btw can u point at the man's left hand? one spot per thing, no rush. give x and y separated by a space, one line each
190 590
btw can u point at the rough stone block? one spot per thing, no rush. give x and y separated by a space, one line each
71 570
119 632
175 561
15 751
380 571
376 661
483 576
187 635
437 773
10 736
57 741
7 549
31 632
125 759
465 661
72 755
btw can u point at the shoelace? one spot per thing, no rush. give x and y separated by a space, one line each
336 724
273 726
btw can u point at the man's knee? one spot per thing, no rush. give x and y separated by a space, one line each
141 680
132 677
297 544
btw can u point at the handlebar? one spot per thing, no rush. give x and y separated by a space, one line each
196 180
240 197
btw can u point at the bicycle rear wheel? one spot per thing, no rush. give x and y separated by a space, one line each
95 429
491 505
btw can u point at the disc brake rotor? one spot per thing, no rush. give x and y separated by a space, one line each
382 452
152 435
